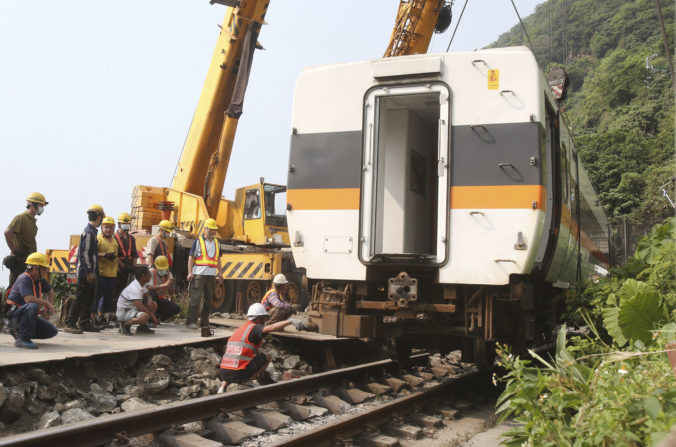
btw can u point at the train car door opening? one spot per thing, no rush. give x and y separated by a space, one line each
405 174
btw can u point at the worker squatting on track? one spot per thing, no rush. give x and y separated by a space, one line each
30 298
274 300
20 235
160 286
134 305
204 264
242 360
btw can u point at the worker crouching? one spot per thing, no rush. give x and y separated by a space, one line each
242 360
25 300
134 305
161 287
274 301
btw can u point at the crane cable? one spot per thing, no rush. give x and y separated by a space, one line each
532 47
456 25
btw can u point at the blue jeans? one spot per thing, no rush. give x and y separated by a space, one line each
30 325
105 292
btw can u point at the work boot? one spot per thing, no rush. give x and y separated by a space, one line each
264 378
87 326
72 329
143 329
124 329
192 325
27 344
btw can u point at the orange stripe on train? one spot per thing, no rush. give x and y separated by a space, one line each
462 197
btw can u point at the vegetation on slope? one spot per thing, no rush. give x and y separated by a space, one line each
620 111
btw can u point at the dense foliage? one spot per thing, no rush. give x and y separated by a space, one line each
620 111
592 393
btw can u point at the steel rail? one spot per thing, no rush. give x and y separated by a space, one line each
351 426
101 430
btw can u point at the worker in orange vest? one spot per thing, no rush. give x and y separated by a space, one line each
274 301
158 246
242 360
204 266
126 254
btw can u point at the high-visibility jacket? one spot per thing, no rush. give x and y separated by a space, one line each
204 258
265 301
37 293
239 351
126 253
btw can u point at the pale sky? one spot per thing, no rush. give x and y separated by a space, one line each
97 96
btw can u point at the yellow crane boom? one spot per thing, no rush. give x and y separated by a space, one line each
416 21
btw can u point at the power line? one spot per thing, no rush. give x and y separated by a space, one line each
532 47
456 25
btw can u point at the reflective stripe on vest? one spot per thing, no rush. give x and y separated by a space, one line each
36 293
163 252
264 301
156 282
204 258
125 254
239 351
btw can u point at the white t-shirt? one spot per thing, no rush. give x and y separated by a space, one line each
133 292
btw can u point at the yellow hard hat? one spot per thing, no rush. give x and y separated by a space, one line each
36 197
95 208
166 225
38 259
108 221
124 218
161 263
211 224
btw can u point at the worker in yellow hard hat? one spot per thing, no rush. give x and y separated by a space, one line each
126 253
30 292
78 318
20 235
107 280
204 266
161 287
157 245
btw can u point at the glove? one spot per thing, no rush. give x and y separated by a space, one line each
298 323
91 278
110 256
296 308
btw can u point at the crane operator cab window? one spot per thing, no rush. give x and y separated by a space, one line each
252 204
405 175
275 205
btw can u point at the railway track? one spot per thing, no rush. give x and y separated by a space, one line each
396 397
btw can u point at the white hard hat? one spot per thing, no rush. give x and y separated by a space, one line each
280 279
256 310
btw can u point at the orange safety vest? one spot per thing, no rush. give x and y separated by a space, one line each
264 301
36 293
156 280
125 254
160 245
239 351
203 258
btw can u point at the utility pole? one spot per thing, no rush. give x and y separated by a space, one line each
666 45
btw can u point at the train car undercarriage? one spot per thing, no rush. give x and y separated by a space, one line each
406 313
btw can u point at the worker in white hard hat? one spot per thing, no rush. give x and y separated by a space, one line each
274 301
242 360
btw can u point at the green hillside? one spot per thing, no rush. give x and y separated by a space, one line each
621 112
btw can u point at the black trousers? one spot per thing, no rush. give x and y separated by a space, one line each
81 307
19 268
165 308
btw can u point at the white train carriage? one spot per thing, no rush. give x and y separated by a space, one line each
439 198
